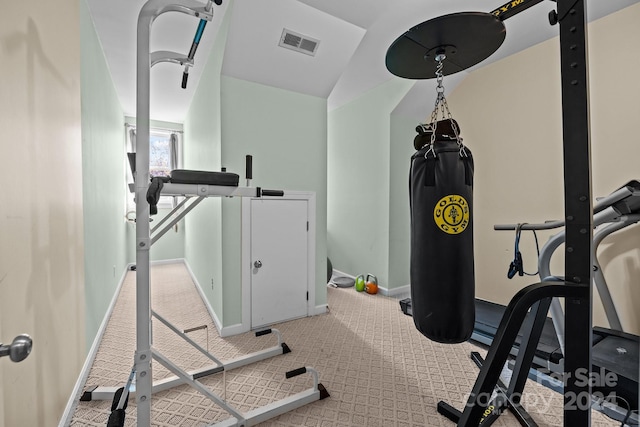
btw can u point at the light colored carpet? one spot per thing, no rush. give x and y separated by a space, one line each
379 370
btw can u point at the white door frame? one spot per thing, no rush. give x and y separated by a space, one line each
245 261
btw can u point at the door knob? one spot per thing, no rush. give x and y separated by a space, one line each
257 264
19 349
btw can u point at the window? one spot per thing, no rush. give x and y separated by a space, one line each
160 154
164 156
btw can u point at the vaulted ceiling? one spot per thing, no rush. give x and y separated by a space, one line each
353 35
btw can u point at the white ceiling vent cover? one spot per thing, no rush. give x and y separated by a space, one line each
298 42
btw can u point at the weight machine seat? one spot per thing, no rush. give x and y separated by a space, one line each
183 176
186 176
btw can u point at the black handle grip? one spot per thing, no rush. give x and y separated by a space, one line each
218 2
249 166
263 332
278 193
295 372
185 76
116 418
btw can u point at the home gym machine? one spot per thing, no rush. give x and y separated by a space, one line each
615 354
466 39
194 186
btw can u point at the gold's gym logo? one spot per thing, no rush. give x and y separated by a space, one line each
451 214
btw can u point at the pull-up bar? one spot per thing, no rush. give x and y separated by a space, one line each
196 42
206 184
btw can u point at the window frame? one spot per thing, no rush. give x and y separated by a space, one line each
165 202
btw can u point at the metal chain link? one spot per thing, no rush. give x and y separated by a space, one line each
441 101
441 108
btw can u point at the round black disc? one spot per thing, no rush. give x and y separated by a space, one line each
466 38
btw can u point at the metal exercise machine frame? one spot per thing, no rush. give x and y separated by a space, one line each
144 351
144 61
108 393
544 271
612 221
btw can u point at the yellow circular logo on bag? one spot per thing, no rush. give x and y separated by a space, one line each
451 214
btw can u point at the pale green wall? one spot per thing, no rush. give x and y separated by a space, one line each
286 136
103 172
201 149
286 132
400 152
359 184
169 247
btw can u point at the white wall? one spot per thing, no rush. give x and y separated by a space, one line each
41 223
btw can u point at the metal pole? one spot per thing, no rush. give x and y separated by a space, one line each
142 356
578 210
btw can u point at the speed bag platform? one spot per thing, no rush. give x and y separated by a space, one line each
442 269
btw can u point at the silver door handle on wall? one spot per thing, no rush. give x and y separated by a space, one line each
257 264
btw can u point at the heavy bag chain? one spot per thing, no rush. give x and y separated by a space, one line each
442 108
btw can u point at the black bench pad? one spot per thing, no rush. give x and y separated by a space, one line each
183 176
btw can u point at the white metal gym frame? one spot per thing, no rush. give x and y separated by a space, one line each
194 193
108 393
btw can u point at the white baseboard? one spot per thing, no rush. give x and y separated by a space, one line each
168 261
342 273
223 331
65 420
238 328
231 330
395 291
384 291
320 309
204 299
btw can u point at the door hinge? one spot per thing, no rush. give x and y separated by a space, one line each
307 295
307 225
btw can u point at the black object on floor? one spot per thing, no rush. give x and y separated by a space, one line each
405 305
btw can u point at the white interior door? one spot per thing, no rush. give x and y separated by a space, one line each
279 276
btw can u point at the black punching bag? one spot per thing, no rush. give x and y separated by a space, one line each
441 201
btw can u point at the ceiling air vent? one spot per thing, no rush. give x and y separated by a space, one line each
298 42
